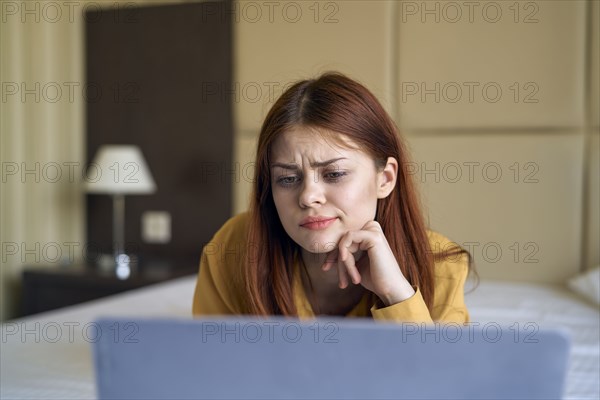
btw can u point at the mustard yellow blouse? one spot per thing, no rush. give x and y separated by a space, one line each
219 285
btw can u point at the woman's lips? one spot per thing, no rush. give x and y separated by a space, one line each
317 223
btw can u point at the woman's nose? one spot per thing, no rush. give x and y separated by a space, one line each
312 192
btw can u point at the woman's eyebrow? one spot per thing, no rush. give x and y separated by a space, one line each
317 164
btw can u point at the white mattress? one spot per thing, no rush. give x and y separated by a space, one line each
36 368
547 306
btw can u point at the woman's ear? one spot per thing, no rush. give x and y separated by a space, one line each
386 178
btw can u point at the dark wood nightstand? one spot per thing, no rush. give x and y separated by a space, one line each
49 287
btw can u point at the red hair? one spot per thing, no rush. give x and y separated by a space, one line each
337 104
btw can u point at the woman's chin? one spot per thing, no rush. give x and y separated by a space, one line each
320 246
318 242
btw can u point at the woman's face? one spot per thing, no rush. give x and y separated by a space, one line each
322 190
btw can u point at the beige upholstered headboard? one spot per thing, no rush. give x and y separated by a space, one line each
513 200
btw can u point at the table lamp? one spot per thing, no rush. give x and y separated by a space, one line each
119 170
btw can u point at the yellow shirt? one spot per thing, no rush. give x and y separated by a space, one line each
219 285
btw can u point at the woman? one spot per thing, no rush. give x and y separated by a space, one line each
334 225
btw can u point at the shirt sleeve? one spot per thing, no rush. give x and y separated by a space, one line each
219 287
412 309
209 298
448 305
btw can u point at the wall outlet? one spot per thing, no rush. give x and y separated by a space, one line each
156 227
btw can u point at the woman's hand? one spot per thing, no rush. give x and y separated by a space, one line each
377 270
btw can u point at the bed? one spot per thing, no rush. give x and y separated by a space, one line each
48 355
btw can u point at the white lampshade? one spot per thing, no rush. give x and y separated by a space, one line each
119 169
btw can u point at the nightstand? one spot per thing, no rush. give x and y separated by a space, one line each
49 287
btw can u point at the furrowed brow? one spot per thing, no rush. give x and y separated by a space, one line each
318 164
326 163
285 166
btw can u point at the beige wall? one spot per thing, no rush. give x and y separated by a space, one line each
41 131
591 248
542 133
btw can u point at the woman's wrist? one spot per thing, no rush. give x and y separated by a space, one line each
402 293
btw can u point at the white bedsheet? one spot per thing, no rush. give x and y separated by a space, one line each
64 370
53 367
547 306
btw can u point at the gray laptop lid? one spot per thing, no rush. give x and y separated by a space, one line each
325 358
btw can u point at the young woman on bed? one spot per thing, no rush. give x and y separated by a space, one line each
334 225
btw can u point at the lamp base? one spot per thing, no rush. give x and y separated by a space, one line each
122 265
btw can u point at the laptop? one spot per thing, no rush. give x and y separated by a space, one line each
325 358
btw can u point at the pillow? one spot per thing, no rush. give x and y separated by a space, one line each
587 285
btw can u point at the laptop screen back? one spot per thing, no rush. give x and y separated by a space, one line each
325 358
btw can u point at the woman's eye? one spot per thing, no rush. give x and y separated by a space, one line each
335 175
287 180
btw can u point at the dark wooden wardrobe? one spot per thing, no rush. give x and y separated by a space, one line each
148 69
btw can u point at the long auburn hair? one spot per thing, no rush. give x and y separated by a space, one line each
338 104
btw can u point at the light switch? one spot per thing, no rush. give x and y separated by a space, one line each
156 227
